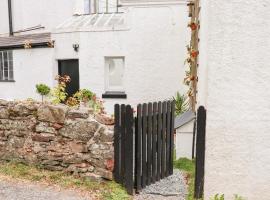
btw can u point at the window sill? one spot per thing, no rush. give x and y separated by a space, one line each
8 81
114 95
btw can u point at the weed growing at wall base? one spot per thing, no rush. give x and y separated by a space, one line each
188 166
107 190
222 197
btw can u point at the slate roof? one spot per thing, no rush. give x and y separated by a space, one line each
183 119
18 41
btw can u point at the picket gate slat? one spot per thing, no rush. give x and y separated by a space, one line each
163 154
123 140
138 149
172 137
149 144
159 141
129 150
117 141
168 137
154 144
144 146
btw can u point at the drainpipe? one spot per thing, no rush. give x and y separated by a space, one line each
10 18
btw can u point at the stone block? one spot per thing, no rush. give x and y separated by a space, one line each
45 128
4 114
52 113
22 109
3 102
82 113
79 130
77 147
104 119
42 137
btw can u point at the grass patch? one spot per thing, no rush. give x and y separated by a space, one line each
188 166
102 190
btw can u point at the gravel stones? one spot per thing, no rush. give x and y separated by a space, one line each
171 188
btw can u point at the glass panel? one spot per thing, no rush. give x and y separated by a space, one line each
116 69
10 60
87 6
5 65
1 66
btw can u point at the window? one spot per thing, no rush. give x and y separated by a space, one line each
87 6
6 66
114 74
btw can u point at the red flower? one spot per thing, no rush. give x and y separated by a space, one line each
193 26
194 53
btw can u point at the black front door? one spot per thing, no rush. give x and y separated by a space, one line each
70 68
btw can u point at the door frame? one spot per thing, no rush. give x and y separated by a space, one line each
69 59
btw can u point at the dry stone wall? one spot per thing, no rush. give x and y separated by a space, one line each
57 138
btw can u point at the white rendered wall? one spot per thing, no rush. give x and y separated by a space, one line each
153 46
235 41
31 66
154 50
184 140
4 28
29 13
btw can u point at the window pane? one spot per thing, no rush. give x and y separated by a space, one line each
116 69
87 6
1 66
5 66
10 61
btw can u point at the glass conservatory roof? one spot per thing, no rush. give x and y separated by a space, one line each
93 22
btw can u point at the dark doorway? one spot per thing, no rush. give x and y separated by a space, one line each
70 68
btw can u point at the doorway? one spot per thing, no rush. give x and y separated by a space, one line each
71 69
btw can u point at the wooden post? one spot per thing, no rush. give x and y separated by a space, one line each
194 8
200 153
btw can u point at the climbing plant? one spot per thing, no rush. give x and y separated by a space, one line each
191 77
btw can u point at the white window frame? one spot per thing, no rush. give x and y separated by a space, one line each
109 88
10 66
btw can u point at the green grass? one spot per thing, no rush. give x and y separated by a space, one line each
103 190
188 166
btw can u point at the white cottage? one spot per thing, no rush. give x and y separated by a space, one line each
127 51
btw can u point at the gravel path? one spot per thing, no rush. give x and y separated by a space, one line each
20 190
170 188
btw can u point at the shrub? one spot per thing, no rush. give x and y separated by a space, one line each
90 99
71 102
43 90
181 104
59 92
84 95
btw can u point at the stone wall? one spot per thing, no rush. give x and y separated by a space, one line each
57 138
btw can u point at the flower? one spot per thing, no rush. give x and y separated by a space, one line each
193 26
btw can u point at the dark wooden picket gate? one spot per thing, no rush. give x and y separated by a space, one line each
143 144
